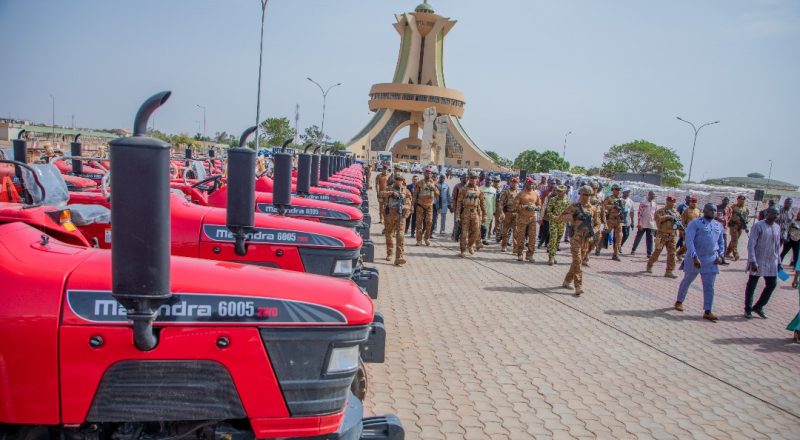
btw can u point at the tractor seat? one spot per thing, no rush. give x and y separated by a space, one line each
83 215
56 195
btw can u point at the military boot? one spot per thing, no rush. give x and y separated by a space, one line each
669 274
519 257
551 261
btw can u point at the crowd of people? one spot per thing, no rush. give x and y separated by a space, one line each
546 213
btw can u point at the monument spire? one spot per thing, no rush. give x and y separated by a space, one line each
418 98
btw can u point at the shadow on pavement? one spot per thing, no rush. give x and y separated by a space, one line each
764 345
657 313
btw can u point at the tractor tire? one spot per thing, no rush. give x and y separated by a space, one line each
359 385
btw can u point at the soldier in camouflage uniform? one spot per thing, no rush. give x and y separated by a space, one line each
508 216
526 205
556 205
736 225
381 182
398 209
690 213
668 225
425 192
613 208
585 219
470 205
596 200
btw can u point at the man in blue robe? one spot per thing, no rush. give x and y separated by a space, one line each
705 248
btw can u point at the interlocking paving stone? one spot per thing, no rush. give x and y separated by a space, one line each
488 347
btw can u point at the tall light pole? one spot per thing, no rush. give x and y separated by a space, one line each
204 117
296 119
198 126
769 176
564 153
324 100
694 143
53 98
260 59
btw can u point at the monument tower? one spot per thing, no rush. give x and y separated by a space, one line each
418 98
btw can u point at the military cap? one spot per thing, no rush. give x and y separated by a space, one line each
530 180
561 188
586 190
399 176
741 197
693 199
515 179
595 184
473 175
671 198
615 186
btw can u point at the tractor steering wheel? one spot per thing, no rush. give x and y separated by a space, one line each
203 184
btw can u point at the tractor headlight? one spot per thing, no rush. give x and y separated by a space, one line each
343 359
343 267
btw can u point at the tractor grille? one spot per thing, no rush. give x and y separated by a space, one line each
300 359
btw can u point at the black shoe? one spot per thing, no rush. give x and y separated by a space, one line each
761 313
748 315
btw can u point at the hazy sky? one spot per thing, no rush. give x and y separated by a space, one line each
610 71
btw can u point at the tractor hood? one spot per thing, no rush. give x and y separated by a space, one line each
301 207
265 184
280 230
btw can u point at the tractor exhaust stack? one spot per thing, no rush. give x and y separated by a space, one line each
241 192
140 259
76 150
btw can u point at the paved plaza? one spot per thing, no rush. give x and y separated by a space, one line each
488 347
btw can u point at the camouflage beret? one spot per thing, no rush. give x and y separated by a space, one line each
586 190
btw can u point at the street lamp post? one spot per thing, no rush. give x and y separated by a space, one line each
204 118
694 143
564 153
324 100
260 58
769 176
53 98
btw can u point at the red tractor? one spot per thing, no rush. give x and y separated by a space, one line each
134 344
202 231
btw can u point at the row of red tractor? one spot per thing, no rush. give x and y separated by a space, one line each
152 297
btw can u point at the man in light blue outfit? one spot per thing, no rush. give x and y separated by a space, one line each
705 248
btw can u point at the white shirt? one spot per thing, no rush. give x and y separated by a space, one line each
647 215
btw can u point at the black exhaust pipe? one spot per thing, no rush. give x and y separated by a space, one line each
140 214
20 146
282 180
304 171
315 168
76 150
324 167
241 192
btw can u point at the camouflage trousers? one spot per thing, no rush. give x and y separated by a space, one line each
580 244
733 242
509 223
525 228
556 234
592 243
668 240
381 208
498 227
616 230
424 222
470 229
395 230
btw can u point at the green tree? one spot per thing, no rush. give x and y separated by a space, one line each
275 131
183 139
641 156
502 161
577 169
314 134
535 162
